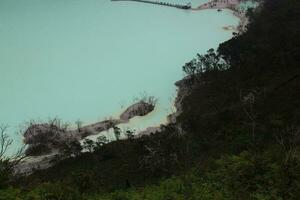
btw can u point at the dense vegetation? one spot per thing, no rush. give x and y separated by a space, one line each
238 136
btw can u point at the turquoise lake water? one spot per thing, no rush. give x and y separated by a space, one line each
89 59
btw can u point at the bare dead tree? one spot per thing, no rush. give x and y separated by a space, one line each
151 100
65 126
154 158
79 125
247 103
5 142
18 156
58 123
289 140
163 153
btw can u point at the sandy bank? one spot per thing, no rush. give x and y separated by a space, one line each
227 4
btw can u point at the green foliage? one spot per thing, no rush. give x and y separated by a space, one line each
189 187
201 67
243 176
251 176
83 181
5 173
10 194
56 191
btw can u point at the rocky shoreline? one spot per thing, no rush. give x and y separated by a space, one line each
51 136
48 142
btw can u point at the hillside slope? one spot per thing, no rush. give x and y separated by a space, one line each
237 138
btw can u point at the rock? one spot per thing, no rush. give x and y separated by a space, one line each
30 164
38 149
184 87
42 133
45 138
141 108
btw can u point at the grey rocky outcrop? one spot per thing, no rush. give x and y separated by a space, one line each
141 108
44 138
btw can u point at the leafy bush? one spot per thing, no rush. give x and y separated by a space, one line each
10 194
56 191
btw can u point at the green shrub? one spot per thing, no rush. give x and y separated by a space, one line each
10 194
56 191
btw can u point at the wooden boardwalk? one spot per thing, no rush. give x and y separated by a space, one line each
186 7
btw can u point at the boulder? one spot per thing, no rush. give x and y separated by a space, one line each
141 108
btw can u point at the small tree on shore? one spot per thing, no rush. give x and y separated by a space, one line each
197 69
72 148
129 134
89 145
117 132
79 125
144 97
101 140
